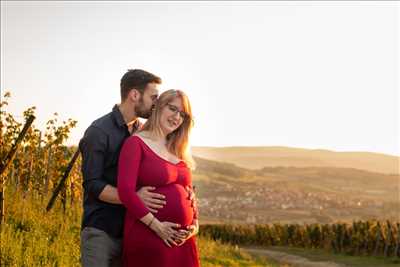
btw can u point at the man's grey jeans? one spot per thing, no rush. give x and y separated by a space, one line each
98 249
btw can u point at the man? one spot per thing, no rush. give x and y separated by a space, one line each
103 214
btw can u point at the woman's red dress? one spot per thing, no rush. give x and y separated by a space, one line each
140 166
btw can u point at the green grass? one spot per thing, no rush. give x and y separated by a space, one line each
353 261
214 253
32 237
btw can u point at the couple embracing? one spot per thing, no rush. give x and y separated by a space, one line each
139 208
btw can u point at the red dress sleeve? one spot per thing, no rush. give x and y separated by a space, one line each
128 168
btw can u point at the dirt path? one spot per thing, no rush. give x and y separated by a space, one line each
292 260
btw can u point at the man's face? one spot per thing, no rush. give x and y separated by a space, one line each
147 101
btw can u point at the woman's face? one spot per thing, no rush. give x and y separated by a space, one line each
172 115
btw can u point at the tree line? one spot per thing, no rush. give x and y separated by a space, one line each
372 238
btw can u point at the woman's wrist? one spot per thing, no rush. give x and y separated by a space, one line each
151 221
154 225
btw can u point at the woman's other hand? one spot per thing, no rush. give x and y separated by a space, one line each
190 231
166 231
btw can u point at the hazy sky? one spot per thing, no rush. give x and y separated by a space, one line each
299 74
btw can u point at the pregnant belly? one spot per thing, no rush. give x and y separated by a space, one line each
178 208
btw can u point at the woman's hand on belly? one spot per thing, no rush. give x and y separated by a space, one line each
165 230
190 231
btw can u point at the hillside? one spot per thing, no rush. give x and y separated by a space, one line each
290 194
260 157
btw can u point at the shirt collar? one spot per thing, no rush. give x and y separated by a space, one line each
119 119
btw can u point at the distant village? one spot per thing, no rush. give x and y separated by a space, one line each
270 205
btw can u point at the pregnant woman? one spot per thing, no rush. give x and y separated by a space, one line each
158 156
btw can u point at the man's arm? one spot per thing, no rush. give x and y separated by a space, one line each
93 147
110 195
152 201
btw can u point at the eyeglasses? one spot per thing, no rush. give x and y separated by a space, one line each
175 110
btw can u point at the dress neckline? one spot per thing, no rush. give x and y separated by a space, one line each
155 153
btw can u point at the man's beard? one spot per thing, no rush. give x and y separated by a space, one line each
140 110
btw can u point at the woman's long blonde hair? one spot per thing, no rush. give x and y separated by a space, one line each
178 140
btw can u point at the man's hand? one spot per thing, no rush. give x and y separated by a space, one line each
191 192
190 231
153 201
192 196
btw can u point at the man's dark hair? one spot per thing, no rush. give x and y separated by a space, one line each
136 79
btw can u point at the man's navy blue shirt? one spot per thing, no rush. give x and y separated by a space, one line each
100 148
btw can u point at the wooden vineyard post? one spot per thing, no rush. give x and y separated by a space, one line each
4 163
62 181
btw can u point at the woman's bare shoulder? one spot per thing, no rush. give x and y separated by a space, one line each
142 135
